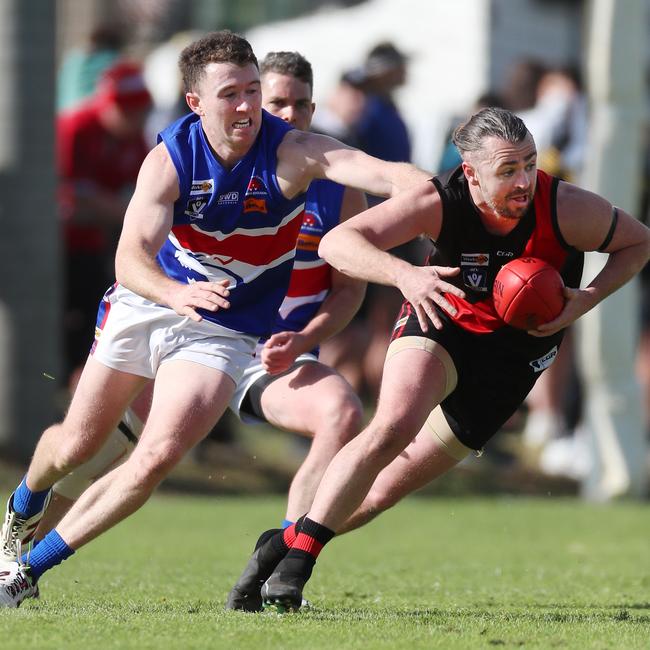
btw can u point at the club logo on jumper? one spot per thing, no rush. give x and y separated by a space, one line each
474 269
229 198
311 221
311 232
202 187
544 362
256 187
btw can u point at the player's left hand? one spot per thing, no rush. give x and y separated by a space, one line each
578 302
280 351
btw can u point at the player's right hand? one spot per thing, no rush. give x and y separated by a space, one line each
424 287
578 302
280 351
211 296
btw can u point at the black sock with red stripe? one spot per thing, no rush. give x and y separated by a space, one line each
309 543
277 546
312 537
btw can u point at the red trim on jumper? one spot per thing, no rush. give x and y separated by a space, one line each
259 250
307 543
309 282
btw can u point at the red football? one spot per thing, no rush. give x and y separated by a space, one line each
528 292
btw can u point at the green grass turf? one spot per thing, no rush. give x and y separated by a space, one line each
432 573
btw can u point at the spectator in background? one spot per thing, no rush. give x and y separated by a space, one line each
340 116
519 93
381 130
558 121
358 352
82 67
100 147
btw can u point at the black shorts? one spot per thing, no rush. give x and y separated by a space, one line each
495 372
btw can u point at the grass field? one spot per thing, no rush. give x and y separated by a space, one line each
432 573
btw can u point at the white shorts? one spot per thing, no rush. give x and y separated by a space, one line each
137 335
254 373
114 451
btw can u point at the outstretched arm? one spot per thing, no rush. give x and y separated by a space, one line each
337 310
147 224
303 157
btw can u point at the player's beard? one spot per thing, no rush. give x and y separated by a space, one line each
502 210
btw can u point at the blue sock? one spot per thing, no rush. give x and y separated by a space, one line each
51 551
27 503
286 523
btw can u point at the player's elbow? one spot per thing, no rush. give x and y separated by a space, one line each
326 248
124 265
121 268
647 246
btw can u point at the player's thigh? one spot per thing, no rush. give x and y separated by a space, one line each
414 381
307 397
188 399
100 398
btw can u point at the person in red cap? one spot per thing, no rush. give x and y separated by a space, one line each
100 147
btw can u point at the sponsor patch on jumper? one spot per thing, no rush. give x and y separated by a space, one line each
229 198
474 259
308 243
255 205
544 362
202 187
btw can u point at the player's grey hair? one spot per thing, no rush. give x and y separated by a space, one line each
489 122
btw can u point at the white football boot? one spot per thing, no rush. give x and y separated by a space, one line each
15 584
17 531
